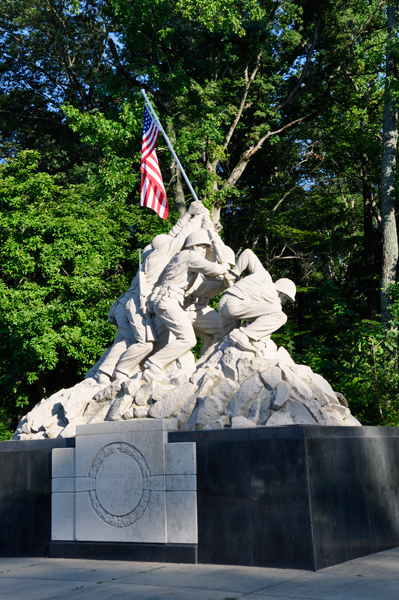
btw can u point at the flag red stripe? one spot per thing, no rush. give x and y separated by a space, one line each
153 193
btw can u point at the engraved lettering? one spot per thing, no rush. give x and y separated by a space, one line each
117 472
119 484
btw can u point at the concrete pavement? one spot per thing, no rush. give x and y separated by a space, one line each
374 577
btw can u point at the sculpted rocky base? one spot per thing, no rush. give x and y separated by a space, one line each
225 388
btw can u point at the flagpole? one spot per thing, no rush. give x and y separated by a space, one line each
158 124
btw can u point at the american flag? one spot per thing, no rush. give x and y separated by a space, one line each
153 192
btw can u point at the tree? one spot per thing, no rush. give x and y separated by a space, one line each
389 145
275 110
64 257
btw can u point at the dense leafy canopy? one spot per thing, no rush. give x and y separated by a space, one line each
275 109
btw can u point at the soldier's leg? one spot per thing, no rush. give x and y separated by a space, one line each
247 260
177 322
263 323
139 348
227 320
133 356
126 337
109 358
264 326
162 334
206 323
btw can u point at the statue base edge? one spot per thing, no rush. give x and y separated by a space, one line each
127 551
288 497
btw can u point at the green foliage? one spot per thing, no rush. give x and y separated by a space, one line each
289 159
64 258
222 14
6 426
358 357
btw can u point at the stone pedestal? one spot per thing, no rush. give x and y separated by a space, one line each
25 496
291 497
123 482
298 497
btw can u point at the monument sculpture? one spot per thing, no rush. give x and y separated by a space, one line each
167 300
256 299
134 339
241 378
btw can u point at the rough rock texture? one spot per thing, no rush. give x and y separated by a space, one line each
225 388
172 401
219 423
241 423
206 411
118 407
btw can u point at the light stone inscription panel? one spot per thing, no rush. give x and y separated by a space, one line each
120 492
119 484
118 497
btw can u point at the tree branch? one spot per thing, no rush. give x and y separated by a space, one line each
119 67
292 95
273 12
284 197
363 27
246 156
8 112
295 90
295 186
211 167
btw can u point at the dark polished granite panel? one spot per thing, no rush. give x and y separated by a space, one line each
179 553
223 435
9 446
283 432
25 445
50 444
25 505
261 493
319 495
25 496
208 435
224 520
288 431
312 431
280 517
354 490
319 431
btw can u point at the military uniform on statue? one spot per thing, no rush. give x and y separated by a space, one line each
168 298
131 343
255 299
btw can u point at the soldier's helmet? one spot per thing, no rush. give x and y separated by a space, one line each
160 240
197 238
287 287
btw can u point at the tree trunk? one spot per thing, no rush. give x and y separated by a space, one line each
177 179
389 143
368 238
178 190
216 216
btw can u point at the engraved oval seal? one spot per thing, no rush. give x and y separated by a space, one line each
118 498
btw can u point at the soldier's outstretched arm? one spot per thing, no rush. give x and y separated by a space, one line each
220 248
248 259
196 208
197 264
209 287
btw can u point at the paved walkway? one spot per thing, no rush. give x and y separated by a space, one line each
371 578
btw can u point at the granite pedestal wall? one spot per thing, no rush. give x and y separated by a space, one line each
294 497
302 497
25 496
123 482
